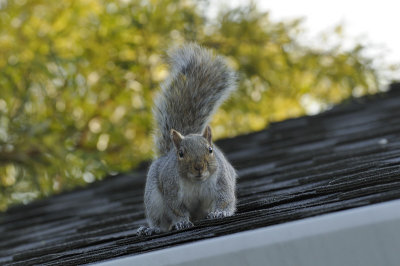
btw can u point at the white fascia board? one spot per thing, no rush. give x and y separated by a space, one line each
364 236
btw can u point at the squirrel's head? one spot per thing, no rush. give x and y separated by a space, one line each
195 154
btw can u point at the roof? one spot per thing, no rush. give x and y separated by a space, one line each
344 158
366 236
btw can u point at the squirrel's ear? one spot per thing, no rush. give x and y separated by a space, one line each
207 134
176 138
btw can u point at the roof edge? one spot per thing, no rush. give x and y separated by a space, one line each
361 236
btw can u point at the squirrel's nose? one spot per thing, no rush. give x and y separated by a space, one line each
199 167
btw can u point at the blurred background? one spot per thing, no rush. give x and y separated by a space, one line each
77 78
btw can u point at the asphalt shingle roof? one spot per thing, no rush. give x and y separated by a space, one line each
344 158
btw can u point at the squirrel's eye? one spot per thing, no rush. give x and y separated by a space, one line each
180 153
210 149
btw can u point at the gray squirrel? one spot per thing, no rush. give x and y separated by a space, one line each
191 179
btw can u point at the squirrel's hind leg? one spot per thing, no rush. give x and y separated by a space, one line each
184 224
219 214
147 231
223 208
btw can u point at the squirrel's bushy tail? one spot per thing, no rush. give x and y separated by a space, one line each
198 83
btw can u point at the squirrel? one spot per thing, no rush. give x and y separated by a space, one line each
191 179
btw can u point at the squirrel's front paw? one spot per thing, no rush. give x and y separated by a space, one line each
147 231
182 225
218 214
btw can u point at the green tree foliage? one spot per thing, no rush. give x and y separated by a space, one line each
77 80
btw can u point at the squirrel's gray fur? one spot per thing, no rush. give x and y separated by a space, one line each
191 179
199 82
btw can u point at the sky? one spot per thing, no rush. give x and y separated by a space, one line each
372 23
